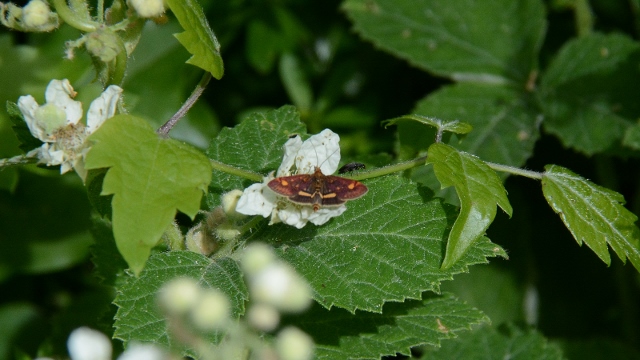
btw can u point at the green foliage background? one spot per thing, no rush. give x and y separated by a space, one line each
348 66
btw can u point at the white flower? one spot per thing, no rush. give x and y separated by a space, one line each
321 150
293 344
137 351
88 344
148 8
57 124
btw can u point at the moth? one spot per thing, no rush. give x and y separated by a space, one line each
318 189
353 166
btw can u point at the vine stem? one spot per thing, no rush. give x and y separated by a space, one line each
253 176
72 19
386 170
195 95
515 171
17 160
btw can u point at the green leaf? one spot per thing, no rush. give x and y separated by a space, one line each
263 45
20 128
593 214
632 137
479 190
150 179
198 38
139 318
255 144
508 342
454 126
588 93
341 335
481 41
387 246
504 124
295 82
109 264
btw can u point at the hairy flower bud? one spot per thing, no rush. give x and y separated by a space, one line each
212 311
36 13
293 344
179 295
147 8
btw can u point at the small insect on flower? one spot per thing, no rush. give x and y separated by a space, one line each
318 189
353 166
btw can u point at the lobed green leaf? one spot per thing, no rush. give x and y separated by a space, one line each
588 93
198 38
341 335
150 179
481 41
593 214
507 342
139 317
479 189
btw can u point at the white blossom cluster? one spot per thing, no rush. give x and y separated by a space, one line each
57 124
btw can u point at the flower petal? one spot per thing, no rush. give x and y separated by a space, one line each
60 93
320 150
28 106
325 214
257 199
291 148
103 108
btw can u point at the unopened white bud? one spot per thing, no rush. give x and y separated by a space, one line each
293 344
263 317
88 344
256 257
198 241
148 8
179 295
229 203
143 352
227 232
212 311
36 13
279 285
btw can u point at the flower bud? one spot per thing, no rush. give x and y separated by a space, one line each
212 311
88 344
148 8
279 285
227 232
36 14
263 317
103 44
229 203
256 257
143 352
179 295
293 344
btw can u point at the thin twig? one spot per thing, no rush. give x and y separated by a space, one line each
195 95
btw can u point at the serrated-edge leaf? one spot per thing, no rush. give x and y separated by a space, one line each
255 144
387 246
481 41
198 38
593 214
341 335
479 189
139 318
506 342
20 128
150 178
454 126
